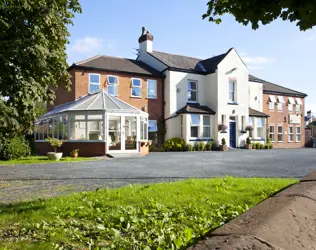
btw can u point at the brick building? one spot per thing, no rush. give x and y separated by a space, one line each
285 108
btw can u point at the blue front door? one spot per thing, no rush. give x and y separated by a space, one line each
232 134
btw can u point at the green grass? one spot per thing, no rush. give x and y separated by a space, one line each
157 216
44 159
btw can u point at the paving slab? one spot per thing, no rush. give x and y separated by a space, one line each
309 177
302 189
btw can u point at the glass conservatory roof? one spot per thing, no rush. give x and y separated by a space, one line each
99 101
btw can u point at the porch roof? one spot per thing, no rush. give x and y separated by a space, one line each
99 101
256 113
196 109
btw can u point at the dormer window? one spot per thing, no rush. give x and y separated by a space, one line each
112 85
94 83
192 91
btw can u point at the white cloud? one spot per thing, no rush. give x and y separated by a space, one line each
88 45
310 38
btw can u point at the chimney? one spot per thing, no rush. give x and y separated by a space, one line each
145 41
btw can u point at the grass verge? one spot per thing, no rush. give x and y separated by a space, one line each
157 216
44 159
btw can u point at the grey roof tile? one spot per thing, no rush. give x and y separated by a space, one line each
196 109
256 113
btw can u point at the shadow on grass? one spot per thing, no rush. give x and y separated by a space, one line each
21 207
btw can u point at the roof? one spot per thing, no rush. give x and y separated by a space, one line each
196 109
117 64
191 64
99 101
256 113
272 88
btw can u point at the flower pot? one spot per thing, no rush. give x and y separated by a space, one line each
223 147
74 155
248 146
54 156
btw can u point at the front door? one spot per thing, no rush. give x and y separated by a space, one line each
232 134
122 133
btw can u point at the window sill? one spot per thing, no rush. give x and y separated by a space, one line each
298 142
291 142
192 102
138 97
152 98
279 141
201 139
232 103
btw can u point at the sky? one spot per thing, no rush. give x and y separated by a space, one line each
278 52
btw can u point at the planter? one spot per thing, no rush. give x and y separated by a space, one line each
249 146
74 155
54 156
223 147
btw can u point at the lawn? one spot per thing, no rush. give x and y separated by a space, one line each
156 216
43 159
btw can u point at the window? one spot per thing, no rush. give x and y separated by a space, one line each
290 103
291 136
136 87
271 105
298 134
195 123
143 128
113 85
259 127
151 89
280 106
206 126
181 126
223 119
280 133
94 83
232 91
192 91
298 108
152 126
243 122
290 107
271 133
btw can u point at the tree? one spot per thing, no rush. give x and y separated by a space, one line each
33 38
303 12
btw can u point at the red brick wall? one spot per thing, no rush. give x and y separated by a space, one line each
86 149
282 117
80 87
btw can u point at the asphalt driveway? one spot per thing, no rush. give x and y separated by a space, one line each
45 180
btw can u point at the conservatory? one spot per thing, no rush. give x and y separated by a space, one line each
96 124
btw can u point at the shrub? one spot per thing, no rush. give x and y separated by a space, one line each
261 146
188 147
202 146
248 142
208 145
223 141
266 146
55 143
270 146
174 144
214 146
197 147
14 148
253 145
258 145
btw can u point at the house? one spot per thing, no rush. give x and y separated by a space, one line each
285 107
125 100
201 94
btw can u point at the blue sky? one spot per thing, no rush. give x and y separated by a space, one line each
278 52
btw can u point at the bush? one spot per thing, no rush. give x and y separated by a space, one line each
202 146
253 145
55 143
174 144
261 146
188 147
197 147
14 148
258 145
214 146
208 145
248 142
266 146
270 146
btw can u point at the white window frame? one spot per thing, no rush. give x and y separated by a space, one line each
297 108
259 127
234 92
151 80
271 106
206 126
195 125
300 134
270 133
291 134
181 126
93 83
111 84
193 90
290 107
138 87
280 106
156 126
280 125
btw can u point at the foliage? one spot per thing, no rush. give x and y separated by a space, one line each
223 141
222 127
266 146
270 146
55 143
268 136
14 148
261 146
208 145
197 147
41 159
33 62
257 11
134 217
75 151
258 145
248 142
202 146
214 146
188 147
249 128
174 144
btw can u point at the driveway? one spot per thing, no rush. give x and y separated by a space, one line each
44 180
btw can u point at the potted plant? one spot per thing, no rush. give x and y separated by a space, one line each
223 147
248 143
55 144
222 128
74 153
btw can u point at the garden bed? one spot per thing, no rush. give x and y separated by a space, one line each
157 216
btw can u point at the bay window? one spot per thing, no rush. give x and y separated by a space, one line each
259 127
206 126
195 123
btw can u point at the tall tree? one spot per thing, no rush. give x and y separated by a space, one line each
303 12
33 38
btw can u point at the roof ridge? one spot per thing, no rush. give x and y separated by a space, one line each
88 59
